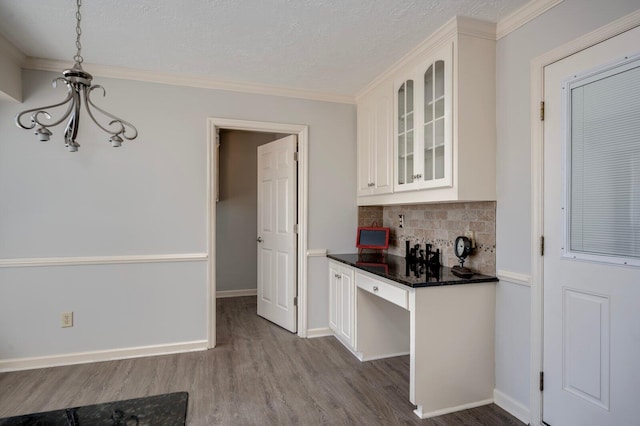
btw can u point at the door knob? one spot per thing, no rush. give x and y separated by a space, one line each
259 239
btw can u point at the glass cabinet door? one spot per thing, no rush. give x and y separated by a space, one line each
434 121
405 133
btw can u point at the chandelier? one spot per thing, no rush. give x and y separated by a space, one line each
79 89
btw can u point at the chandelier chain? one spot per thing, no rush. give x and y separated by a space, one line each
78 56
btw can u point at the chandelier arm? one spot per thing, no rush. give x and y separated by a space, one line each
71 131
42 110
123 125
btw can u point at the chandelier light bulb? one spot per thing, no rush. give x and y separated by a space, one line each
43 134
116 141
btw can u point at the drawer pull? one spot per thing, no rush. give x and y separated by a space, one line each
375 288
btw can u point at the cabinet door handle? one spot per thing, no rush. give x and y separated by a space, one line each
375 288
337 276
417 176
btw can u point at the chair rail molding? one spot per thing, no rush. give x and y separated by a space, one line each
514 278
102 260
317 253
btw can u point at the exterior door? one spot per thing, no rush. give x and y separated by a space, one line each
276 240
592 236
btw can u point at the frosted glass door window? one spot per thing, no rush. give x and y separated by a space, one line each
405 133
603 142
434 121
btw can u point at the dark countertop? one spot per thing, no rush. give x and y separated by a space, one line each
396 268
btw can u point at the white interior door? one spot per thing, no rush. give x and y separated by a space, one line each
592 236
276 240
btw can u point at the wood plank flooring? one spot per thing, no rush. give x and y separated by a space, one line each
259 374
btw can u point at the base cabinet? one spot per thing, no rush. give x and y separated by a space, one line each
342 303
447 331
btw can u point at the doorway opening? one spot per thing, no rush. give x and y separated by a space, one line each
233 234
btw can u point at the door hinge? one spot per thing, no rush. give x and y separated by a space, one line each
542 111
541 381
295 156
295 301
541 245
296 228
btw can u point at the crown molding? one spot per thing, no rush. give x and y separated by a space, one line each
456 25
467 26
476 28
188 81
526 13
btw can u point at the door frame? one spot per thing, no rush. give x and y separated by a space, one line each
302 132
537 195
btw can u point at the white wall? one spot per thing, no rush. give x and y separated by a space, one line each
146 198
565 22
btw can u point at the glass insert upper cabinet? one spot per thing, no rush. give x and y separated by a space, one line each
424 124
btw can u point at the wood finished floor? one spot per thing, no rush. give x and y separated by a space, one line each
258 375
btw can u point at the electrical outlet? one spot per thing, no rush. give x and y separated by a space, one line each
471 235
401 224
66 319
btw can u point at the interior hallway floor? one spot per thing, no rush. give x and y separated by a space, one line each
259 374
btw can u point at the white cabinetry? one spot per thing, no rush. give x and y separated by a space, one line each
375 143
342 303
444 127
423 134
447 330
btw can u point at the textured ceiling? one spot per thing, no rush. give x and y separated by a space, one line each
331 46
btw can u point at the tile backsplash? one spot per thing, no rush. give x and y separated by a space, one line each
439 225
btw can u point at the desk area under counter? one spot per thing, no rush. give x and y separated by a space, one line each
384 306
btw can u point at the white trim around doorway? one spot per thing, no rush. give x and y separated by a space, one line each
302 132
537 171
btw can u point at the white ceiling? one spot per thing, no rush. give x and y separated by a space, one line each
329 46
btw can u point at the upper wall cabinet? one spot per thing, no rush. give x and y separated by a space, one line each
375 143
424 118
443 118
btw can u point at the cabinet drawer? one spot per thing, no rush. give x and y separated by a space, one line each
389 292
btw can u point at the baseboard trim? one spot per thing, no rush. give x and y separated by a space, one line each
373 358
17 364
418 411
319 332
511 406
236 293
